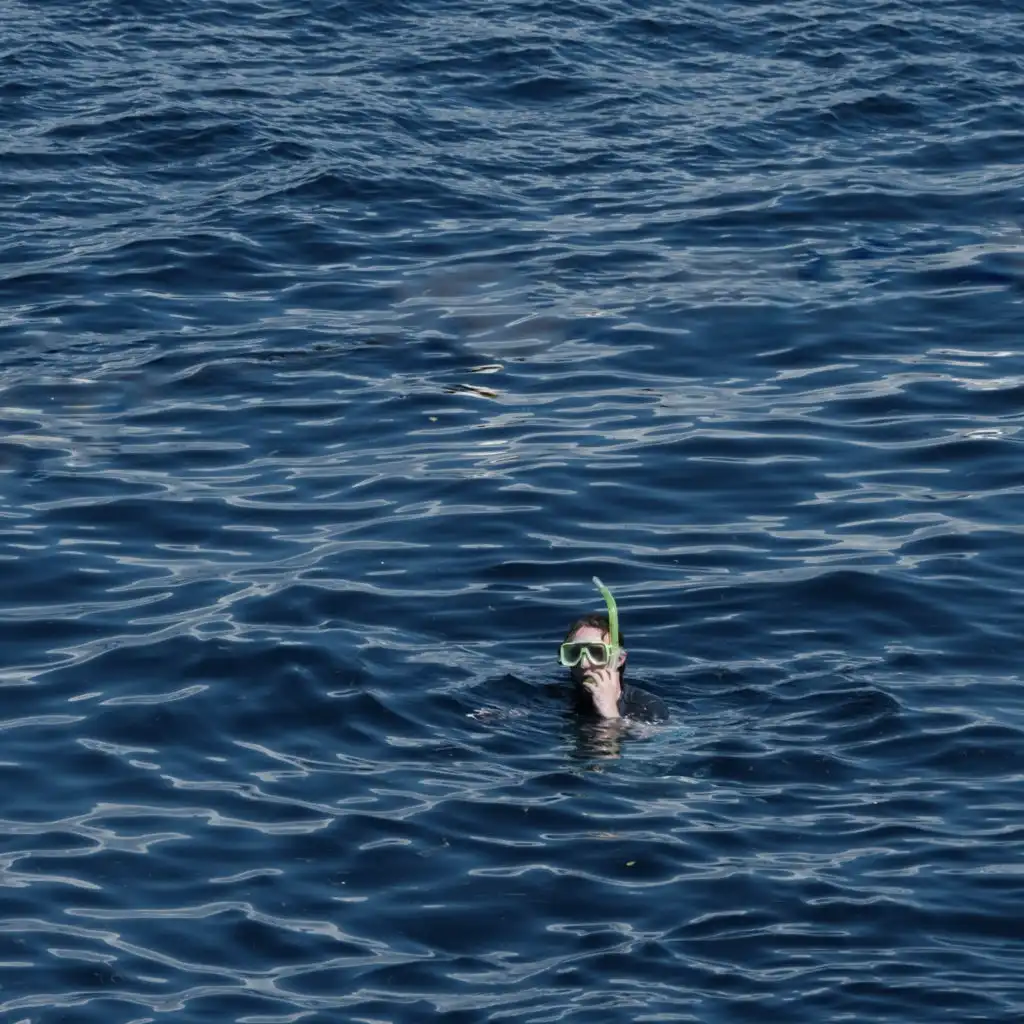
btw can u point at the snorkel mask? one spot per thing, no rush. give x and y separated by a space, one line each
598 653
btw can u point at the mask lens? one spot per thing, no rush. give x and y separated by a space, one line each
570 654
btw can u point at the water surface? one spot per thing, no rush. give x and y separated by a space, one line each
343 343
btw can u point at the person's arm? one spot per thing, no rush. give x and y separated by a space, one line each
602 683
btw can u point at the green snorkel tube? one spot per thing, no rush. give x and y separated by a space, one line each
613 614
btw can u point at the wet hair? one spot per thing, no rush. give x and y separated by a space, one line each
602 623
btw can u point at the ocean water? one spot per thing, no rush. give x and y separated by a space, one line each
342 343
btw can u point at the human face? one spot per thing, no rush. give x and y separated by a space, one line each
586 665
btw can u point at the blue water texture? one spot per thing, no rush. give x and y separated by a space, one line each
343 342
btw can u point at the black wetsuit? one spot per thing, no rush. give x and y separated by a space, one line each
635 704
641 706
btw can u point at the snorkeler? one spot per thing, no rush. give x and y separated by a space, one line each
594 653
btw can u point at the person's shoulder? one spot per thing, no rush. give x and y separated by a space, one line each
643 705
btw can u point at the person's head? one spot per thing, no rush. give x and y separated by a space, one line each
589 641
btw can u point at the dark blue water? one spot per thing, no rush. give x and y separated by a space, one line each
342 343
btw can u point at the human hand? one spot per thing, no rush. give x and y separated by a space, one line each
602 683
